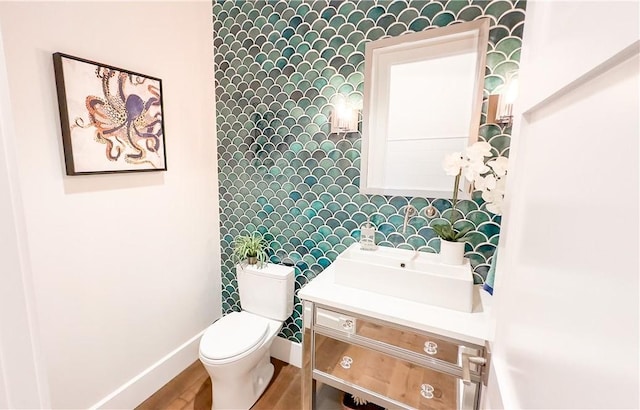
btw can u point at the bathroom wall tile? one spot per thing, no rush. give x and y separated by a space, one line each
279 65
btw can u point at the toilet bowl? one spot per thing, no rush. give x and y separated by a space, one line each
235 352
235 349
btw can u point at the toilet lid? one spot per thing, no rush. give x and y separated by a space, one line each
232 335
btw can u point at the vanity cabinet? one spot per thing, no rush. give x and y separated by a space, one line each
388 364
396 353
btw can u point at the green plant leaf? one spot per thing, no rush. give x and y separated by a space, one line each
444 231
253 245
448 233
462 234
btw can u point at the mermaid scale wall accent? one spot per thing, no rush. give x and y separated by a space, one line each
279 66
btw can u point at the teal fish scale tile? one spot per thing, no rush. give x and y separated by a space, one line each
279 65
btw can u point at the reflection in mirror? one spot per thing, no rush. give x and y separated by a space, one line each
422 101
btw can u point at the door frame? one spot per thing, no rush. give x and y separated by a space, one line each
23 379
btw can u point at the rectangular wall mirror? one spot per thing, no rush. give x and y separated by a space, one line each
422 101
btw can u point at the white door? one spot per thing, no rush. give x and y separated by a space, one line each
566 292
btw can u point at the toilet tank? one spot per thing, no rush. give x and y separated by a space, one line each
267 291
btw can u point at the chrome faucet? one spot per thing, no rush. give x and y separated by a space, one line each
409 212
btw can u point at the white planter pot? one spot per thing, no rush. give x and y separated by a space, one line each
451 253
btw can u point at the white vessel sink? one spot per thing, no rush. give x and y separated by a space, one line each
410 275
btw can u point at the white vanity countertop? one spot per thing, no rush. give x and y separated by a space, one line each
475 327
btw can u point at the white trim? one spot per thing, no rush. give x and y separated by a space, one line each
616 59
287 351
150 380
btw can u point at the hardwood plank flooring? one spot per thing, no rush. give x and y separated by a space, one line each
191 390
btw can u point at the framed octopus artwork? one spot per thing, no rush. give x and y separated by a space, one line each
112 119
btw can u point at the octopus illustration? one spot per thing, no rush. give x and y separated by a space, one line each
129 126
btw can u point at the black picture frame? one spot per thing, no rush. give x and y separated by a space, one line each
112 119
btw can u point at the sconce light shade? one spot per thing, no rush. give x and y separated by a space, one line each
344 119
500 106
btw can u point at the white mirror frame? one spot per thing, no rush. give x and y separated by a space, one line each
426 48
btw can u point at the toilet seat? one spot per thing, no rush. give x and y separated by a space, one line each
233 336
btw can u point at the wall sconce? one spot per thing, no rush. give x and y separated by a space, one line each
500 106
344 118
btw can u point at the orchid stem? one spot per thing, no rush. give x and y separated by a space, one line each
454 200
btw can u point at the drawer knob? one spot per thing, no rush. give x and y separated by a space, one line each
426 391
346 361
430 347
347 324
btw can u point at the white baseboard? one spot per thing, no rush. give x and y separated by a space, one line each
287 351
139 388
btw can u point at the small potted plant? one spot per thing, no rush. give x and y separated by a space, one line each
250 249
451 243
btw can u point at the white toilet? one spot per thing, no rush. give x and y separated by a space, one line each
235 349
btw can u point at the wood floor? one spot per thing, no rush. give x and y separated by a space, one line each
191 389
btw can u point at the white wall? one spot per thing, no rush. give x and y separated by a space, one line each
22 380
126 267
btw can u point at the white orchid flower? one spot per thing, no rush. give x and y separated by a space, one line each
474 169
489 178
478 151
499 165
453 163
492 195
494 200
495 207
485 183
501 184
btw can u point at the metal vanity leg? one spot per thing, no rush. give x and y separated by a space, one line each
308 383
